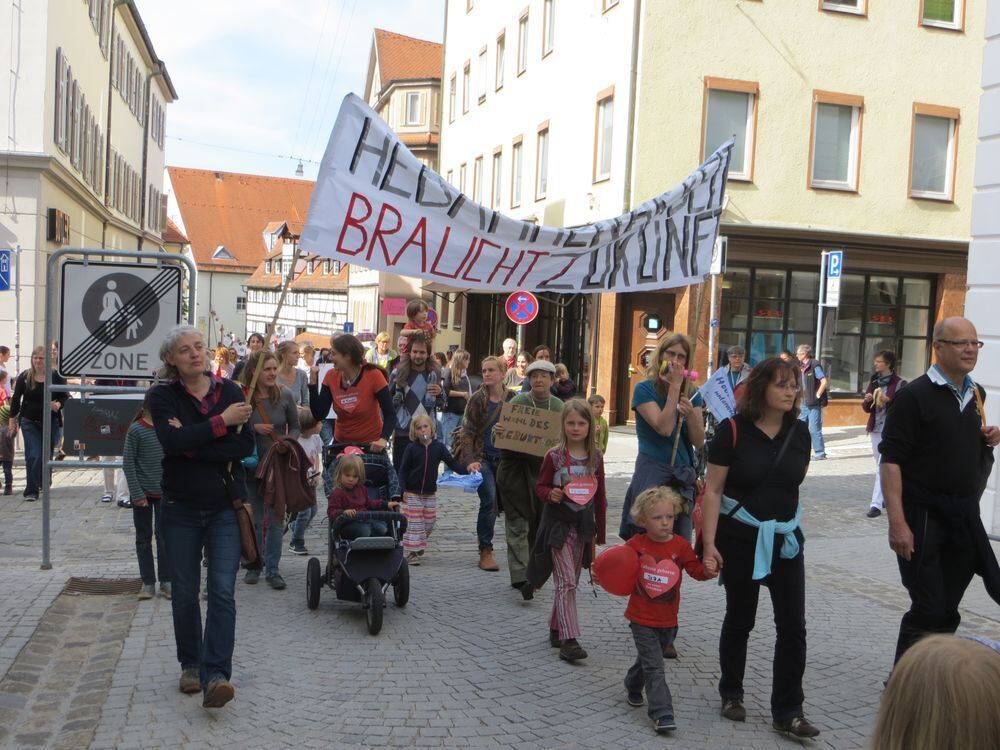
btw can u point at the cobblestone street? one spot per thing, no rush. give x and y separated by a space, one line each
465 664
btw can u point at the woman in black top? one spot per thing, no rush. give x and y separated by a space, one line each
27 412
756 464
197 418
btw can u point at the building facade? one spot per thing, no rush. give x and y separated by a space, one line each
875 161
226 217
83 142
984 252
536 123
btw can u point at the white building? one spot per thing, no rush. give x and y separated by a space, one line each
536 123
983 297
79 71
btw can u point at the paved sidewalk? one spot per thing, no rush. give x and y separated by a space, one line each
466 663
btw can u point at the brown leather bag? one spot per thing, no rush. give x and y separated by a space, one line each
249 551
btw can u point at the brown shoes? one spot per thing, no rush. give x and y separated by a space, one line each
218 693
486 560
190 681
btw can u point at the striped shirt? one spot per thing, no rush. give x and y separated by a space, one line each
142 461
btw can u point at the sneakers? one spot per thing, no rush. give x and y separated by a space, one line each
670 651
190 682
30 498
413 559
874 512
554 640
487 561
276 582
166 590
665 724
819 457
635 699
251 577
571 651
218 693
298 548
527 591
148 591
733 710
106 497
797 728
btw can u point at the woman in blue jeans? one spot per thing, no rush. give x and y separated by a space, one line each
197 418
476 445
26 414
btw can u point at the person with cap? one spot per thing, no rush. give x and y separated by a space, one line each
736 369
517 474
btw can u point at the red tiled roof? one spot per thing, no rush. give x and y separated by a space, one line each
404 57
419 139
232 210
174 236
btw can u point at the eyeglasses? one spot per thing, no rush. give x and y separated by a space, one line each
676 355
793 387
963 343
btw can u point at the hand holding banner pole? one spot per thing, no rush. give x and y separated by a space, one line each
686 389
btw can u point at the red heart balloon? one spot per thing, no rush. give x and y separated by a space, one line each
657 578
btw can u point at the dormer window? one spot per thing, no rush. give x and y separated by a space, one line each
336 268
326 268
310 267
222 254
267 267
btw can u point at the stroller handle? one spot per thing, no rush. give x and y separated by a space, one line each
389 516
337 446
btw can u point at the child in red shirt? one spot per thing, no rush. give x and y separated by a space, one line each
350 496
652 607
416 325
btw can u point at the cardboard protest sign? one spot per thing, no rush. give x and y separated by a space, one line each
376 205
527 429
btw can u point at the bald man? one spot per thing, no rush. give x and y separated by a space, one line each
937 454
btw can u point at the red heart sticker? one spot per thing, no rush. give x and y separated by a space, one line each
581 489
348 401
657 578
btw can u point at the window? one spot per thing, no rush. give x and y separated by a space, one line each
932 152
516 169
857 7
730 108
468 6
452 87
483 75
477 180
465 88
548 26
522 42
501 48
413 108
326 267
836 141
337 265
766 310
496 185
602 134
943 14
542 162
450 177
461 178
608 4
241 304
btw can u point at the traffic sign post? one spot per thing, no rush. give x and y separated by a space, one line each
521 308
831 268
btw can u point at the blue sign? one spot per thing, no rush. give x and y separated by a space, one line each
348 327
835 264
4 270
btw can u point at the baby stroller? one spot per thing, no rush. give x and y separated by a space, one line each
361 570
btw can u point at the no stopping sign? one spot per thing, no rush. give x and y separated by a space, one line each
521 307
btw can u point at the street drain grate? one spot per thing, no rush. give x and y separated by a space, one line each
103 586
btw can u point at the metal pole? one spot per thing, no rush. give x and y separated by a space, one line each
46 415
520 338
819 308
595 323
712 305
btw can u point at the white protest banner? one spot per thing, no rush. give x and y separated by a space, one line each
718 395
376 205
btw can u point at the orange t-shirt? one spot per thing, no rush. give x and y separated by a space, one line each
359 416
404 341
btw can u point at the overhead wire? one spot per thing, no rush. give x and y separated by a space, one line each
240 150
312 69
307 136
336 72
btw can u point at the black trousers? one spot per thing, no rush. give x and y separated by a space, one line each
936 577
787 586
399 443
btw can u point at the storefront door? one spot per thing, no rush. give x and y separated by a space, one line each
649 316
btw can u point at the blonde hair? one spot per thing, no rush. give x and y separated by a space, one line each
648 499
29 379
942 694
653 371
352 465
581 407
562 371
418 420
494 361
307 420
383 336
246 375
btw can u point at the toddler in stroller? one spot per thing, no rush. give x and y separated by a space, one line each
350 496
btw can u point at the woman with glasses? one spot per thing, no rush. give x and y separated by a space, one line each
750 527
880 392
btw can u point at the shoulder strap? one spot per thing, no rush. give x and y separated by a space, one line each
979 402
732 426
774 463
263 415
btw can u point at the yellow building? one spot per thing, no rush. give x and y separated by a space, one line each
854 124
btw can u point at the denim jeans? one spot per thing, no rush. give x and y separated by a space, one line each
448 422
144 520
647 673
31 433
813 416
326 431
187 532
486 520
302 520
268 540
359 529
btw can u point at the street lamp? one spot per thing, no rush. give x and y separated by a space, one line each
299 171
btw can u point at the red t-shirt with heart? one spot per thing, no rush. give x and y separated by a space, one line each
359 417
661 612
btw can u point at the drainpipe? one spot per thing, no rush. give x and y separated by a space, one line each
144 193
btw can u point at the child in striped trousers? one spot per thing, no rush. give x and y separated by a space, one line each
418 473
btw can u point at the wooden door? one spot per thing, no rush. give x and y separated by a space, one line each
649 316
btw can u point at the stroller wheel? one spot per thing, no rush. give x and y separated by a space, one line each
312 583
401 586
374 605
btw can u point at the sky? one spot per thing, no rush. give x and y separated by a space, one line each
267 76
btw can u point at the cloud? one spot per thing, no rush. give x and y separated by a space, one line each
242 72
